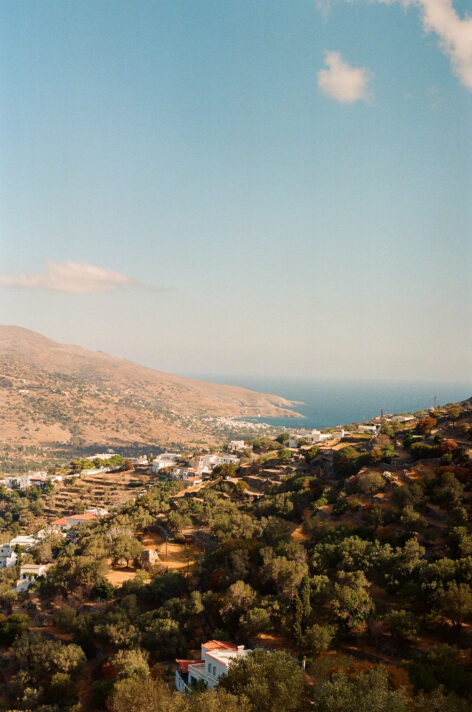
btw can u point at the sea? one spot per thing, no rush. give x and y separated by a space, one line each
325 403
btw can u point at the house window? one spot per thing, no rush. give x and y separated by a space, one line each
214 670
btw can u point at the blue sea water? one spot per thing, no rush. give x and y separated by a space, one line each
327 403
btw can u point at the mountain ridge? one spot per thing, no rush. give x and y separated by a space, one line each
66 394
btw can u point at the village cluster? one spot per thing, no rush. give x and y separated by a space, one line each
199 467
42 478
10 552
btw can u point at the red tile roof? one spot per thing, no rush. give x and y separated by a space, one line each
59 523
183 664
219 645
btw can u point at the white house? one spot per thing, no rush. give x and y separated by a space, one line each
369 429
236 445
17 482
72 520
313 437
25 541
140 461
403 418
204 464
216 656
225 459
166 459
29 573
102 456
201 464
38 479
7 556
98 511
183 473
193 480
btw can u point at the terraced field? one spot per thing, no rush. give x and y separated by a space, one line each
104 489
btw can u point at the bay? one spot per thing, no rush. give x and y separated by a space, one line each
326 403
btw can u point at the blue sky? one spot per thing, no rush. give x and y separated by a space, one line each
264 217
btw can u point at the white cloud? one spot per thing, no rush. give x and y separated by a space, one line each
342 82
454 32
73 277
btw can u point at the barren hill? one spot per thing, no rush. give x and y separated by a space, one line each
52 393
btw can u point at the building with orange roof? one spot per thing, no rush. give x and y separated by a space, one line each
216 657
73 520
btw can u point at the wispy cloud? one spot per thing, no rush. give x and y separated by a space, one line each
343 82
72 277
454 32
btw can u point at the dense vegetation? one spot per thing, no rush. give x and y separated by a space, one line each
358 561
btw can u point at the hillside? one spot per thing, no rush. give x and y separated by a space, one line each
55 394
344 571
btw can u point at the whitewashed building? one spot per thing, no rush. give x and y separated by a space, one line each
368 429
236 445
98 511
216 657
140 461
183 473
8 556
204 464
26 541
17 482
226 459
72 520
165 460
102 456
38 479
29 573
313 437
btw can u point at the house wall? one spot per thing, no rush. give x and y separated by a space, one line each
214 667
7 557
